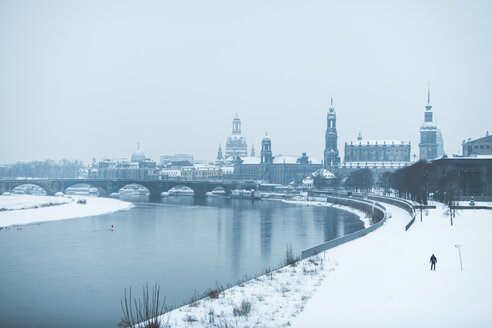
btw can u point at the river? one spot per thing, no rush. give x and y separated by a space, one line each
72 273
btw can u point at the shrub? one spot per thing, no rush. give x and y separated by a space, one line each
145 311
289 256
243 310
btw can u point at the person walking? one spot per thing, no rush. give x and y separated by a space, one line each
433 262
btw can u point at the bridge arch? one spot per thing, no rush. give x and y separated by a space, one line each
181 190
29 189
132 190
85 189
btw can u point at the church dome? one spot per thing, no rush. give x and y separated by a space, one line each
138 155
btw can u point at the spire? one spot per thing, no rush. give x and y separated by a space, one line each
428 106
138 145
429 94
331 104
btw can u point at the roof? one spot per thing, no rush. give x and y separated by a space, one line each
483 139
251 160
285 159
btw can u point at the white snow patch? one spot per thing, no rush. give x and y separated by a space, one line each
21 209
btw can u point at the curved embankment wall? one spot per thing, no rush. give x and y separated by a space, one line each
401 203
375 210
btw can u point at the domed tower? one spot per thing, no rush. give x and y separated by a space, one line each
138 155
236 143
266 150
331 157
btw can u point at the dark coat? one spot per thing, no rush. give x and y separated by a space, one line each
433 259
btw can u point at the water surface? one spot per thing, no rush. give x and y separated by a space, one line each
72 273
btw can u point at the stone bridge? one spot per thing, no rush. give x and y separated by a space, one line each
107 186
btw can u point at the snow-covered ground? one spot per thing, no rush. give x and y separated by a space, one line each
21 202
384 279
380 280
24 209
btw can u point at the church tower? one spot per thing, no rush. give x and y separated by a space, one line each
431 143
219 153
331 157
253 151
266 150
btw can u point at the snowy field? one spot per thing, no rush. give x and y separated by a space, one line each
20 202
384 279
25 209
380 280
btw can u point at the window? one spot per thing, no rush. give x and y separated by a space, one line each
488 147
475 147
481 147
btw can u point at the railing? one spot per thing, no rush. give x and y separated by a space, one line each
376 210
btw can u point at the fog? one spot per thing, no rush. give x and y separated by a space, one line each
84 79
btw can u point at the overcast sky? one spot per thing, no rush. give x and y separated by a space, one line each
84 79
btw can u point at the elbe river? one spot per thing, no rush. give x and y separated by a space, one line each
73 273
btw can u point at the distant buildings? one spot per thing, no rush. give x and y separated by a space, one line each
138 168
431 144
275 169
478 147
176 159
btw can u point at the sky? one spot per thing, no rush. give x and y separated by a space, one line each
91 79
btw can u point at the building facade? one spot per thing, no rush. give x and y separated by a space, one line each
376 152
478 147
431 144
331 157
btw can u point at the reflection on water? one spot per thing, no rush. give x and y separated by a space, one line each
73 272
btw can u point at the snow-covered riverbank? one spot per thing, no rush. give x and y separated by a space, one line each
380 280
25 209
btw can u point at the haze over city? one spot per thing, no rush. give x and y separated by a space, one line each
91 79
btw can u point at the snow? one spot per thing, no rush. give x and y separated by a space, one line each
21 209
380 280
17 202
379 286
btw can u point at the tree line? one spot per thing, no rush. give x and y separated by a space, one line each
43 169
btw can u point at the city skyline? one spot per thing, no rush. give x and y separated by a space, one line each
82 95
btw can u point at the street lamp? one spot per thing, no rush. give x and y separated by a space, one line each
458 246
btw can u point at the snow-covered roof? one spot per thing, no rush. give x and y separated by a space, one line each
251 160
378 142
324 173
285 159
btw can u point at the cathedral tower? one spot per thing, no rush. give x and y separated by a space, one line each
331 157
431 143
